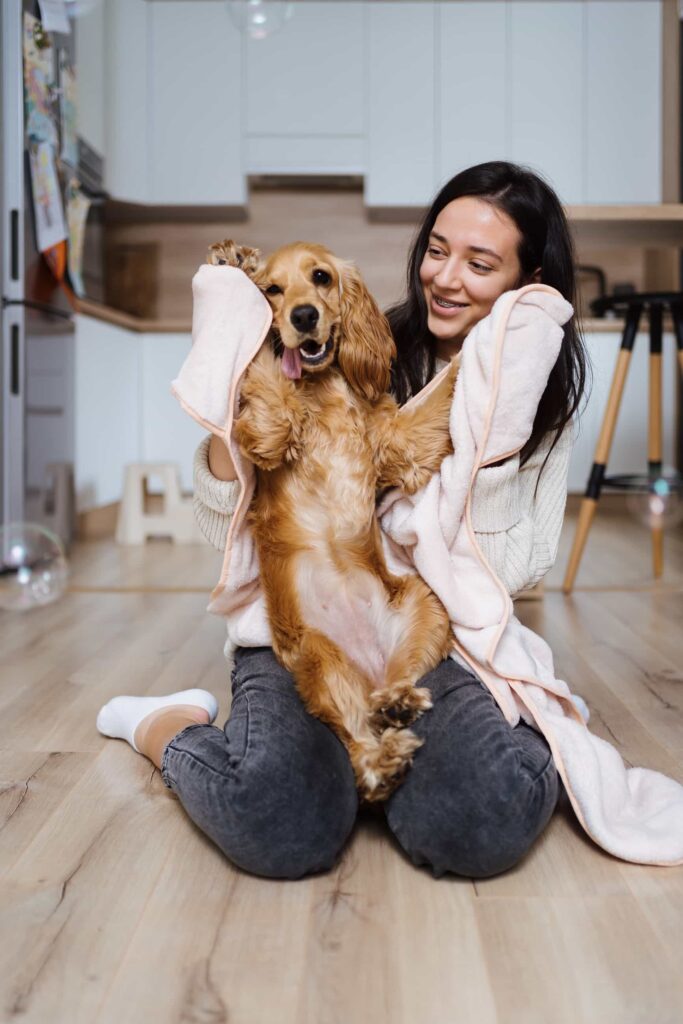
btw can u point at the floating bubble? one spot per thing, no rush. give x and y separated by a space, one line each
659 505
33 566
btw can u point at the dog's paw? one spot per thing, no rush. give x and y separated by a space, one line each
228 253
398 706
381 764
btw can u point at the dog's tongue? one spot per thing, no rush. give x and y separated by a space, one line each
291 363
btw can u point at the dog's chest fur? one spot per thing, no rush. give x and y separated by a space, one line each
319 513
330 491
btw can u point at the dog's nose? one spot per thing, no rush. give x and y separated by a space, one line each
304 318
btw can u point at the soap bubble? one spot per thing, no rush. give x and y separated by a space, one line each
659 504
33 566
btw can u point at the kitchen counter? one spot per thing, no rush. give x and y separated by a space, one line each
591 325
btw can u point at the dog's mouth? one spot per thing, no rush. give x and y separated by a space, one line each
309 355
313 352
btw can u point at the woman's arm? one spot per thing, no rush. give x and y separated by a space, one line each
215 490
518 532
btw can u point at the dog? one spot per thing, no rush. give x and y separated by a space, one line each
325 436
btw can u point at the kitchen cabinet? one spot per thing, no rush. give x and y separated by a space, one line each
571 88
174 103
623 123
402 135
123 408
195 141
403 93
304 103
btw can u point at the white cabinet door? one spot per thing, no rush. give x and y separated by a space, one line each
472 88
401 97
168 434
127 102
91 35
623 101
545 94
195 97
304 92
174 103
106 410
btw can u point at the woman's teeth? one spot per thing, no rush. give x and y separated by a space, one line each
448 305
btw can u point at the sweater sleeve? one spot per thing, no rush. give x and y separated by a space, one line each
519 531
214 500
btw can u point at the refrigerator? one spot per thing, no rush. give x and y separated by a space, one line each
37 371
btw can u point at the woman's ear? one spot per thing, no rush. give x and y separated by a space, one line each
366 347
536 276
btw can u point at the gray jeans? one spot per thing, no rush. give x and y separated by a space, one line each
274 788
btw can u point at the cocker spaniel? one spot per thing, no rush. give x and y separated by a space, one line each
317 421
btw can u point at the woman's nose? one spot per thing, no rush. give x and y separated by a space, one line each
448 275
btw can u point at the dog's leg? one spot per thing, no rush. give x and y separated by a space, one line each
335 691
425 641
272 420
411 444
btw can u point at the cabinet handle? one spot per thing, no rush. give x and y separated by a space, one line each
14 244
14 365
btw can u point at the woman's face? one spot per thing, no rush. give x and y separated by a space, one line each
470 260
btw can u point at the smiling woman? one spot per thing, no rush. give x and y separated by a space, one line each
492 227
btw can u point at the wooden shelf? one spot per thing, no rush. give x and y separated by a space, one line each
657 225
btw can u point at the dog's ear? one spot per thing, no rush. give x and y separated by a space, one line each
366 347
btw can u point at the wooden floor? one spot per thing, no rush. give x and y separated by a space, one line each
115 908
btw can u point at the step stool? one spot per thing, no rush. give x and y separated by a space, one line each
176 520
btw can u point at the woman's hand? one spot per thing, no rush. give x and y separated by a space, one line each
220 462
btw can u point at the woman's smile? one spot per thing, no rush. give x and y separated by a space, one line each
448 308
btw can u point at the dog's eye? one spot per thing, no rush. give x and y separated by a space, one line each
273 289
321 277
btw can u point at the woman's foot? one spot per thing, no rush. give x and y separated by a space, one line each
146 721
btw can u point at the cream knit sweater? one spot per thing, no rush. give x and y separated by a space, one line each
517 531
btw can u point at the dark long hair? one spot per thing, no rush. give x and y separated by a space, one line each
546 243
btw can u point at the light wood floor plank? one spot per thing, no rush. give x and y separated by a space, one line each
114 907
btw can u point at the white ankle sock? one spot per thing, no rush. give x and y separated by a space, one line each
121 716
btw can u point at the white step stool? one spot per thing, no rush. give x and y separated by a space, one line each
176 520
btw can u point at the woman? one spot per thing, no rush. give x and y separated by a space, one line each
274 789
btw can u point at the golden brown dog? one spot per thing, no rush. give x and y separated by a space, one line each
325 436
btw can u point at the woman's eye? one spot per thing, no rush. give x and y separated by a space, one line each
434 252
481 266
273 289
321 277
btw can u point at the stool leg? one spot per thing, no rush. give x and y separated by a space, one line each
590 501
677 316
654 437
